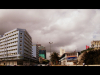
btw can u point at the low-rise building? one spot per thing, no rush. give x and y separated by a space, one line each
69 58
95 44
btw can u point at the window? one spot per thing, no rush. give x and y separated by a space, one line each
20 49
20 44
21 37
21 33
20 40
20 53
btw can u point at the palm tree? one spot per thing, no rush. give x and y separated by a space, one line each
54 58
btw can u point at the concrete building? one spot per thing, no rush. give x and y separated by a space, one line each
42 52
16 48
37 50
47 55
62 51
69 58
34 50
95 44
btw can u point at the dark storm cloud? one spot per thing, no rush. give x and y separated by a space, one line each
67 28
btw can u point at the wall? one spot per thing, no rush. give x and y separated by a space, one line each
9 62
69 63
34 50
22 47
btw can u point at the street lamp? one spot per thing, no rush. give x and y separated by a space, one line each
50 48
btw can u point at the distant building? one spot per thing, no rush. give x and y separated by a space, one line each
37 50
62 51
95 44
34 50
42 52
69 58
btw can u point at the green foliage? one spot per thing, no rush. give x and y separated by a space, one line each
92 57
89 49
54 58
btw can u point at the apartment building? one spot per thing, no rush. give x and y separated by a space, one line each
95 44
15 47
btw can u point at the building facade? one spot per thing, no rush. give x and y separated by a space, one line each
42 52
37 51
95 44
69 58
62 51
15 47
34 50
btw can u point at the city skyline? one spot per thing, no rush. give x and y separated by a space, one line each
70 29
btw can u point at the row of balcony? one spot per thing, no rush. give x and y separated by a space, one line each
9 48
8 52
28 40
27 34
10 36
27 56
9 41
14 30
27 43
26 52
9 45
29 48
8 56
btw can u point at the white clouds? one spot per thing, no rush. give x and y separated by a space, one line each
69 28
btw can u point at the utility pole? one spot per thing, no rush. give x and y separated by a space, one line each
50 48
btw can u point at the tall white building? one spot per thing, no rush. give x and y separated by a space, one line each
15 45
34 50
62 51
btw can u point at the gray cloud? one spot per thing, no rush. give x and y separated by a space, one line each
67 28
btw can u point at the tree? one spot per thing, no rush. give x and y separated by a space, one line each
45 61
54 58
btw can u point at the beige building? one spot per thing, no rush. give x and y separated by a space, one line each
62 51
95 44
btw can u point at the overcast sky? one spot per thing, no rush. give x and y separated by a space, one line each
69 29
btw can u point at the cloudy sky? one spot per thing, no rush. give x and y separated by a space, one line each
69 29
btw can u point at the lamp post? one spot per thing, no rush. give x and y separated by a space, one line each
50 48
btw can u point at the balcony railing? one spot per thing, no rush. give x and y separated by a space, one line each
12 44
12 34
29 41
27 46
